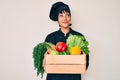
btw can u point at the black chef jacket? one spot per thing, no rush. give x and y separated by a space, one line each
55 37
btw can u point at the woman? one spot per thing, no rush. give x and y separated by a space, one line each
60 12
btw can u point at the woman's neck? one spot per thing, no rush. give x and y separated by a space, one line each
65 30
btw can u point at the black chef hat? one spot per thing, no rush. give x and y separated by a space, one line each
57 8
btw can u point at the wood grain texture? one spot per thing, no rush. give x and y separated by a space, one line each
65 64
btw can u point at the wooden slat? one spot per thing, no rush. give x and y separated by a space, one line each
66 59
66 69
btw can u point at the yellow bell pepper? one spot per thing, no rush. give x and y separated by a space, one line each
75 50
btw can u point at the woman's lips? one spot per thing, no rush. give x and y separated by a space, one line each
64 22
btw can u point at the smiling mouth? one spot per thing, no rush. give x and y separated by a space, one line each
65 22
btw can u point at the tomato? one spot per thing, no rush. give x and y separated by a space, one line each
61 46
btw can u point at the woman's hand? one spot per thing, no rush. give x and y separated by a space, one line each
44 60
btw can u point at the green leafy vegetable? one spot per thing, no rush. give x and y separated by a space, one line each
76 40
63 53
38 56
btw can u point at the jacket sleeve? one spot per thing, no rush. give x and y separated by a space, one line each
50 39
87 58
87 61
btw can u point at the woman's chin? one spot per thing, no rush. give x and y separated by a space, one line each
65 26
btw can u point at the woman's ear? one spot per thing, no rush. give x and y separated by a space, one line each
70 24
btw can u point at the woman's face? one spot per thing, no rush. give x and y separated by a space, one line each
64 19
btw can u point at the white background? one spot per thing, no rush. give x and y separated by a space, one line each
25 23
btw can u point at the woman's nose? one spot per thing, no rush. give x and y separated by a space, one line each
65 17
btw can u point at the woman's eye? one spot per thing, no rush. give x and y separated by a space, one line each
68 14
61 15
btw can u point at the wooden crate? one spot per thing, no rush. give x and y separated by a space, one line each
65 64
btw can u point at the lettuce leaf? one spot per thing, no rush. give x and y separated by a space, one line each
77 40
